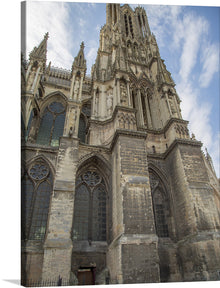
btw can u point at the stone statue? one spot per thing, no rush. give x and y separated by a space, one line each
71 132
96 103
109 102
129 50
76 87
123 93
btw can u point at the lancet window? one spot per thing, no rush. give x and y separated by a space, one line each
144 108
89 222
36 188
126 24
160 206
52 124
131 26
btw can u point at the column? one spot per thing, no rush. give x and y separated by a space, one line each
148 112
128 93
72 85
58 244
118 91
35 79
140 110
80 88
168 104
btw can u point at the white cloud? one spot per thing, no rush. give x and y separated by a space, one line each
52 17
194 30
188 35
91 48
98 27
210 59
82 23
215 152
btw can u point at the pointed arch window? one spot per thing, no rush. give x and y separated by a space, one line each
144 108
36 188
89 222
126 24
52 124
160 206
160 214
131 26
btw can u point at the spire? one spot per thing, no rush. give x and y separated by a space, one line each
80 61
40 52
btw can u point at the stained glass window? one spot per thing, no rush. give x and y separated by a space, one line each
99 214
89 221
36 191
52 124
160 214
159 205
81 214
82 129
40 211
27 192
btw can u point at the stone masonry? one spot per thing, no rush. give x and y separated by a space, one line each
114 189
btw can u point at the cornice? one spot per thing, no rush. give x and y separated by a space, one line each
164 155
38 147
117 108
165 128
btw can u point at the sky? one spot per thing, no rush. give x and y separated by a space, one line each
188 40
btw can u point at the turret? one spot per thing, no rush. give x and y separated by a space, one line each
77 74
37 65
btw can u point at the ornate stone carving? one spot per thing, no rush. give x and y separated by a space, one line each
109 102
182 131
76 87
123 92
38 171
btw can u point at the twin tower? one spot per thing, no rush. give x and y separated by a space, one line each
114 189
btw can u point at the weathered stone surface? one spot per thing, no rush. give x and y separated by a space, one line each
160 199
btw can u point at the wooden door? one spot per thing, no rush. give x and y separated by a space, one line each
85 277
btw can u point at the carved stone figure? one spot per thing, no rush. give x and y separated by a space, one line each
109 102
96 102
129 51
123 92
76 87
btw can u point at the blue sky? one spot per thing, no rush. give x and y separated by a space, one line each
188 40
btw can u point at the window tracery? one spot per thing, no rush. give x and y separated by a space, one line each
52 124
89 222
159 206
36 188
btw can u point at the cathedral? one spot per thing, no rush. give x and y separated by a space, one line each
114 188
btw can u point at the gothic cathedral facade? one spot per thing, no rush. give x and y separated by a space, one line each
114 189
